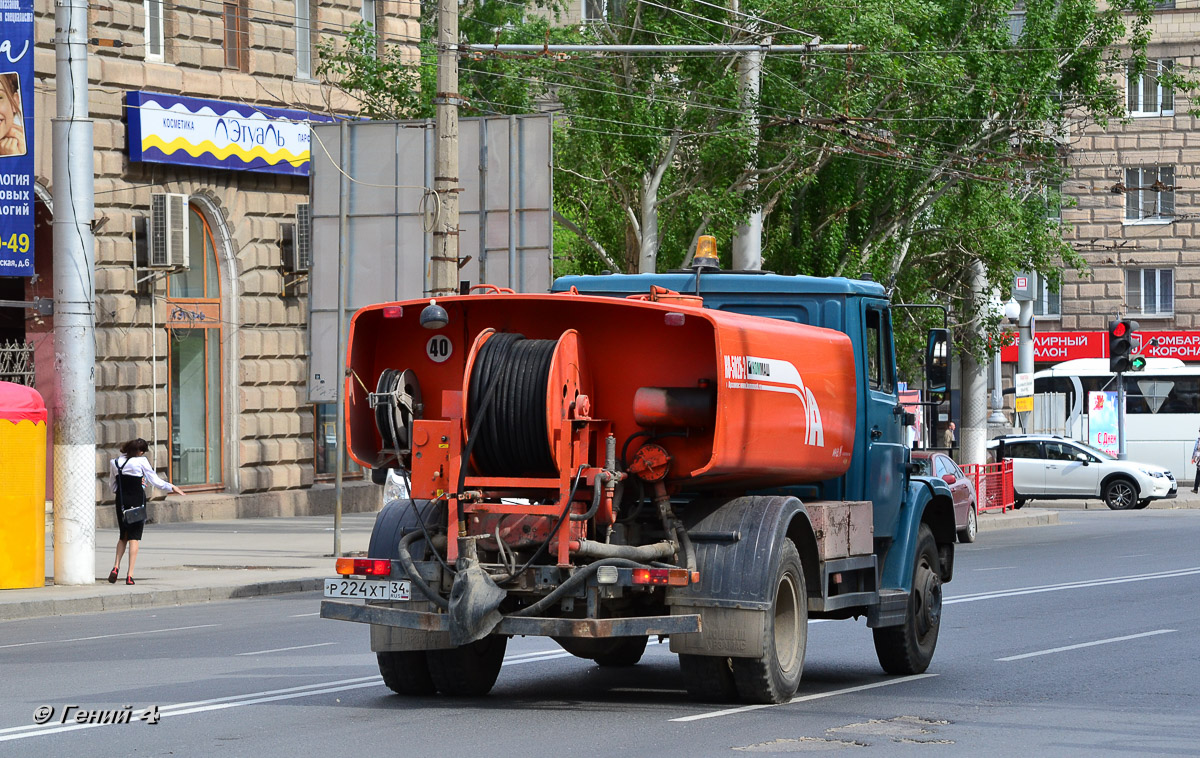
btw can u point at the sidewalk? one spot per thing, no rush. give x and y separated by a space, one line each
195 562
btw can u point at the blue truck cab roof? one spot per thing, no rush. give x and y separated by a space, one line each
719 283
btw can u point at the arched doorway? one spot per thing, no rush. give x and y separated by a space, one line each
194 327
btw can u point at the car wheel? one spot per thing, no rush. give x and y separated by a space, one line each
1120 494
1142 504
1018 502
967 535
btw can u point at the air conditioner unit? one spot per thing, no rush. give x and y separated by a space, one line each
169 236
295 247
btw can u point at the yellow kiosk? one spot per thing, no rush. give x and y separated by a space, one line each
23 498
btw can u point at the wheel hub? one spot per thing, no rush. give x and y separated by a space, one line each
928 586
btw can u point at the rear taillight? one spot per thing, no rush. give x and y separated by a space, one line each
667 577
364 566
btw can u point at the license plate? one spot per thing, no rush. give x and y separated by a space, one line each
368 589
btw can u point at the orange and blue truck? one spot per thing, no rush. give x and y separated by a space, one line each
712 457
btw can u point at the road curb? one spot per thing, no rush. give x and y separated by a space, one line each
152 598
1016 520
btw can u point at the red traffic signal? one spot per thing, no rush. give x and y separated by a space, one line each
1120 345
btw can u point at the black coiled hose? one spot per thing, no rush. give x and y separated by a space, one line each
509 435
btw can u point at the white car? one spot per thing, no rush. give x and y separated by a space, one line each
1048 467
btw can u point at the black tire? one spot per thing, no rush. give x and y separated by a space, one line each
470 670
775 677
1141 504
908 648
968 534
406 672
708 679
625 651
379 475
1120 494
1018 503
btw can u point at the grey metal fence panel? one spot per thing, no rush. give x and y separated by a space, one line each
505 216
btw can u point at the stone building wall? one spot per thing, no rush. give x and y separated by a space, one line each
1111 244
267 424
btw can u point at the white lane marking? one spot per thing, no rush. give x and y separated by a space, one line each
251 698
107 636
996 568
302 615
515 656
1086 644
1135 555
283 649
803 698
1070 586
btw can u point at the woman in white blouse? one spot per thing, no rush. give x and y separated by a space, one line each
132 471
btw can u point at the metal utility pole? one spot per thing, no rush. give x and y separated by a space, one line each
1121 454
972 437
340 390
74 299
747 243
444 261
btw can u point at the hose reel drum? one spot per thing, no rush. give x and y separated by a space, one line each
397 403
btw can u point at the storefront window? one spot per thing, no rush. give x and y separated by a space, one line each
194 326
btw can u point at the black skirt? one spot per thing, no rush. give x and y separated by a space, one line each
128 531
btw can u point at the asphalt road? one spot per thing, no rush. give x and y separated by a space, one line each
1077 639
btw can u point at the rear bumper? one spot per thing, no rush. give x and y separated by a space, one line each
636 626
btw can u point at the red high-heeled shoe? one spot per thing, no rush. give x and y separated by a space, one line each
112 577
129 580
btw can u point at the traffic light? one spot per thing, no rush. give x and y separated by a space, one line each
1120 347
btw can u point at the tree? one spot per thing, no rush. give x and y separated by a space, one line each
938 144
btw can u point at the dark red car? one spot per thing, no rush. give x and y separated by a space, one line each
966 506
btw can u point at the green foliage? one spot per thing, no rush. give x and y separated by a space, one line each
935 146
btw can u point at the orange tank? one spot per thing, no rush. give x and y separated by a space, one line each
731 398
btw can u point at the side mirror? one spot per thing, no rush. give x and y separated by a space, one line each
949 478
1082 458
937 360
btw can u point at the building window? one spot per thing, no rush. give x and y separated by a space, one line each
1047 301
303 40
237 35
194 358
1150 194
368 13
154 29
1145 95
1150 291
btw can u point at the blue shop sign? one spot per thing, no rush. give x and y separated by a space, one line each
190 131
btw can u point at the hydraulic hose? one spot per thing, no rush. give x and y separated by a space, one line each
644 553
410 568
596 488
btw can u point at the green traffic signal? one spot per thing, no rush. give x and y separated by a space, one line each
1137 363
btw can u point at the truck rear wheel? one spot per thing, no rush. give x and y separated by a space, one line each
470 670
708 679
908 648
774 677
406 672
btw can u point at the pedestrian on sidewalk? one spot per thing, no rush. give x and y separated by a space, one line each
129 472
948 436
1196 463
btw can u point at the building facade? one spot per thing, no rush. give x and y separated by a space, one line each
207 362
1131 200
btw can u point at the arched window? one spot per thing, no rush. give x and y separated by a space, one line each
194 355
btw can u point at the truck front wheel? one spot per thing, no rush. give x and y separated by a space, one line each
775 677
470 670
406 672
908 648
